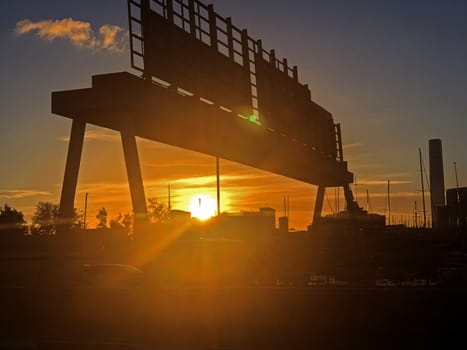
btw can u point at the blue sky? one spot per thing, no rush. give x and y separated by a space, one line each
393 73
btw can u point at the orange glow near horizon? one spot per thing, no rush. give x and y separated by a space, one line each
190 174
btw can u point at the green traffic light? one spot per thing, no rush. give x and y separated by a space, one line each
252 118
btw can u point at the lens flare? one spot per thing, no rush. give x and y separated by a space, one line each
203 207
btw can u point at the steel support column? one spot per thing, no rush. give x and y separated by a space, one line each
70 179
352 205
135 179
218 187
319 204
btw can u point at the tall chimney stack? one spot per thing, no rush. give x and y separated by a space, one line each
436 180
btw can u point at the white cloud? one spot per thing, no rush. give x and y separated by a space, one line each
109 35
79 33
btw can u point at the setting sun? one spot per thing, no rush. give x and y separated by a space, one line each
203 207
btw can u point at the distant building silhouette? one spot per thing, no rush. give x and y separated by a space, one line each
248 224
284 224
180 216
457 207
436 181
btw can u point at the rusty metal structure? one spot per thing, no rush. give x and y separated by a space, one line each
206 86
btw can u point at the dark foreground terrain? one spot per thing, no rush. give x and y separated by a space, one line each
100 290
232 318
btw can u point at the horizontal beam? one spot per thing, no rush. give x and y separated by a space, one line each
163 115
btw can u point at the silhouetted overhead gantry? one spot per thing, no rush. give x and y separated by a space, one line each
206 86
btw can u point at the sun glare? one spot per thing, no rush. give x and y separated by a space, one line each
203 207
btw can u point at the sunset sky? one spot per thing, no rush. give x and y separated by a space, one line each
393 73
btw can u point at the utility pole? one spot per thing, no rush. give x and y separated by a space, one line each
85 210
170 198
423 187
367 201
457 180
389 203
285 207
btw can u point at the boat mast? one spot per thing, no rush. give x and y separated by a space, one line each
457 180
416 215
458 200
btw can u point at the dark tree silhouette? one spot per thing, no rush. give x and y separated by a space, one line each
115 223
123 222
12 220
157 212
45 219
102 218
127 222
78 219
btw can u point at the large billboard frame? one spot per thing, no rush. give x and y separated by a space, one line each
207 26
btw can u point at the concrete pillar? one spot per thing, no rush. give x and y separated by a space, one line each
135 179
70 179
319 203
